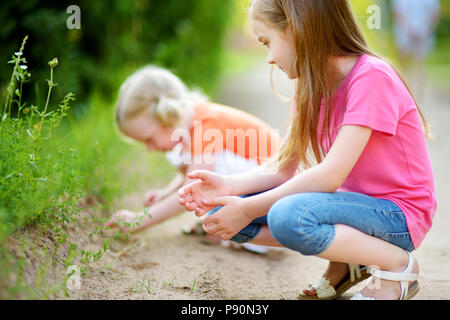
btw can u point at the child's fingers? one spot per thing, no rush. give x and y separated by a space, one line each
218 201
220 234
181 191
185 191
191 206
211 228
223 235
199 174
200 212
226 236
211 219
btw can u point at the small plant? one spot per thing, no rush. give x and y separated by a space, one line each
40 184
193 286
89 256
19 74
170 283
146 285
73 253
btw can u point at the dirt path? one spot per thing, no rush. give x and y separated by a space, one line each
161 263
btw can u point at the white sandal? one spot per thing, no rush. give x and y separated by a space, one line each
407 292
325 291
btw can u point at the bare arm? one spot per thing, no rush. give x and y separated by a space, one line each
177 182
327 176
260 179
169 206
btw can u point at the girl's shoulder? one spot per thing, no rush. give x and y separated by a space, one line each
375 72
371 64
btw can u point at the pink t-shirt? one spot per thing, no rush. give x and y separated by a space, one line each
395 165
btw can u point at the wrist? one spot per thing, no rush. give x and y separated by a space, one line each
228 181
252 208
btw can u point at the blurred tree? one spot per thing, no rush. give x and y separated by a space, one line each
443 29
184 36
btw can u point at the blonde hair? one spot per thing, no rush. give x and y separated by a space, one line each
320 28
155 92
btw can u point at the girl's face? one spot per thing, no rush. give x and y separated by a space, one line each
280 46
148 130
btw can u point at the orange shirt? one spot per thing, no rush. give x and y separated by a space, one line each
217 128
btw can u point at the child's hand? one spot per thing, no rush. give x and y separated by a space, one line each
229 220
153 196
209 186
127 221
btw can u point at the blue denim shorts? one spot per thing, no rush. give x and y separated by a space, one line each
305 222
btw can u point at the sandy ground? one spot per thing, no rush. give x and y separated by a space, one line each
162 263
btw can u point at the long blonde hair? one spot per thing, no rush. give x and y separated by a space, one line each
320 28
156 92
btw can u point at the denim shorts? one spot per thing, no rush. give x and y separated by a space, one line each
305 222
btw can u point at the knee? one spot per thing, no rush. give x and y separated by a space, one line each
293 225
279 219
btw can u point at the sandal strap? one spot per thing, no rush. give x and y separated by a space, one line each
403 277
355 272
323 288
393 276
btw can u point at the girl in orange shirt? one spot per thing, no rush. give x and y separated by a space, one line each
154 107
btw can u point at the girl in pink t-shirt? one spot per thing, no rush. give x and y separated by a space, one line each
370 199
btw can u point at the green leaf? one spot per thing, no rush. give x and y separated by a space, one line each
33 164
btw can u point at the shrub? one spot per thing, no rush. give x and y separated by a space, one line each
185 36
39 181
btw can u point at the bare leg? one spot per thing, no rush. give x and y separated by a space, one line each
353 246
265 238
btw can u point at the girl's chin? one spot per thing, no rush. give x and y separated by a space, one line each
289 75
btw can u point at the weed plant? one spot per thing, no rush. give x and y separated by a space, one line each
38 177
39 180
49 162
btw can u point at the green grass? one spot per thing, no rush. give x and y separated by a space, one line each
40 181
50 160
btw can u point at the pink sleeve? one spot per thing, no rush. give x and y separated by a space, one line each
373 101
